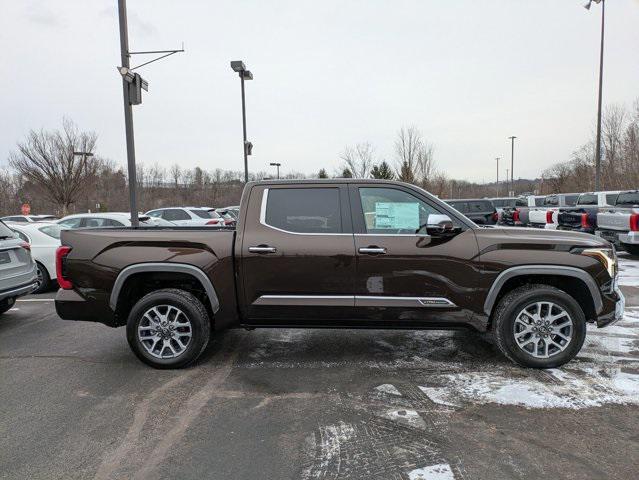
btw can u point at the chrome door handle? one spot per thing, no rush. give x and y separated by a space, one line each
262 249
372 250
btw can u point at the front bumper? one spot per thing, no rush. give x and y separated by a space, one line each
615 304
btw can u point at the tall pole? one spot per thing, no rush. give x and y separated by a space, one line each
512 163
128 115
598 146
497 183
244 130
278 171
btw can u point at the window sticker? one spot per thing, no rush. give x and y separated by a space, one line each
397 215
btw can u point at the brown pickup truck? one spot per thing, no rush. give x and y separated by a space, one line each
340 254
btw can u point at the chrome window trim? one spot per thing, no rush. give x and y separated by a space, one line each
419 235
263 221
353 301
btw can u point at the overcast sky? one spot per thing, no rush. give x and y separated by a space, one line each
327 74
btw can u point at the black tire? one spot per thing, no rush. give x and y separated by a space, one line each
6 304
44 281
631 249
194 311
513 303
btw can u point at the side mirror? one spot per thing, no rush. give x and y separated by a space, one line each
439 224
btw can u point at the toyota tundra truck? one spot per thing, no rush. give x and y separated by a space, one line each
620 224
341 254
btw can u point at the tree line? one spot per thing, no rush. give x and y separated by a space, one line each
59 171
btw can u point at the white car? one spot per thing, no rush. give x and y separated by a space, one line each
29 218
95 220
44 239
188 216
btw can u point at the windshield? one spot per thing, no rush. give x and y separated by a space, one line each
628 199
6 232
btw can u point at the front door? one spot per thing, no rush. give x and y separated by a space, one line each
406 272
297 255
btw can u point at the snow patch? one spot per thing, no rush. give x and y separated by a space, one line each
628 272
441 471
388 389
406 416
438 396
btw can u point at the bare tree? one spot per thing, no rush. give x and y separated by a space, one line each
414 157
358 159
47 159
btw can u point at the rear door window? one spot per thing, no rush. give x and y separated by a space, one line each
304 210
173 214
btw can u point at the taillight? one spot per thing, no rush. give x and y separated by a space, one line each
60 255
495 216
549 216
516 216
585 222
634 222
215 221
26 246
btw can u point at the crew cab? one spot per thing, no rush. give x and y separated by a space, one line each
583 216
519 216
342 254
620 224
546 215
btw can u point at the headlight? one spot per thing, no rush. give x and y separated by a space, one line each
606 256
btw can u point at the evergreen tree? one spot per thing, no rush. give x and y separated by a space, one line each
382 171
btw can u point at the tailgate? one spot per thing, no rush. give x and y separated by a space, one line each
537 216
614 221
569 219
14 260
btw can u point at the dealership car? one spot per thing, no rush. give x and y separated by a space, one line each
44 239
481 211
188 216
109 219
29 218
17 268
341 253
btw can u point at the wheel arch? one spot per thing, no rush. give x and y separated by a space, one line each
535 273
164 267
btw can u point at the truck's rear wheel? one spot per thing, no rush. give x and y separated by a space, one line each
168 328
539 326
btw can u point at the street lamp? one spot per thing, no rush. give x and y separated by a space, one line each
497 184
601 50
512 163
278 165
239 67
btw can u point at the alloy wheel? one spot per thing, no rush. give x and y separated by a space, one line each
543 329
165 331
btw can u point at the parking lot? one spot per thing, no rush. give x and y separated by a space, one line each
305 404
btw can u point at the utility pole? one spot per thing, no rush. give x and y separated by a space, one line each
507 185
512 163
239 67
601 54
128 115
497 184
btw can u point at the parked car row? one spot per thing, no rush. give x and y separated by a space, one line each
612 215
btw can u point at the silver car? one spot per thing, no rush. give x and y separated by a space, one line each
18 273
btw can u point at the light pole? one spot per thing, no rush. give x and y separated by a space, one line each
512 162
497 159
239 67
278 165
601 50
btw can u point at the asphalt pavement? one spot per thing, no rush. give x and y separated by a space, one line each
313 404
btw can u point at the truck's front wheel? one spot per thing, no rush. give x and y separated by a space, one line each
168 328
539 326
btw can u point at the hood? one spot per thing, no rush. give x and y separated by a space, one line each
540 236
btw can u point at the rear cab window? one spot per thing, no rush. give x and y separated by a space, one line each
571 200
628 199
480 206
587 199
551 201
303 210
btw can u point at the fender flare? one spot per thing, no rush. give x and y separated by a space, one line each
557 270
164 267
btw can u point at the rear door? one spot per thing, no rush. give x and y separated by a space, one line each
297 254
404 274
